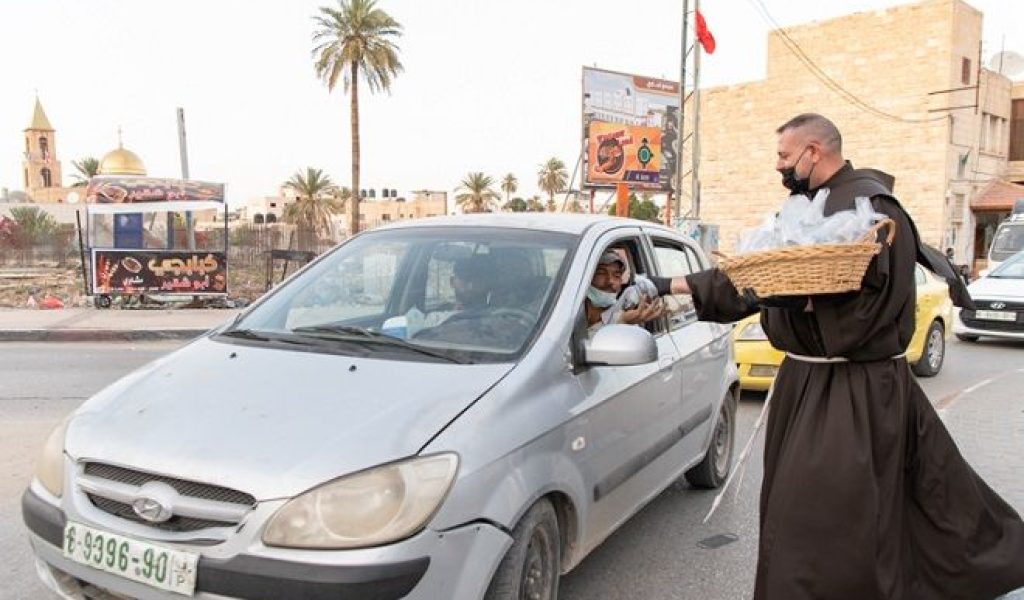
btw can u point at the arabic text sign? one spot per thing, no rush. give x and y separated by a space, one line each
137 271
632 101
130 190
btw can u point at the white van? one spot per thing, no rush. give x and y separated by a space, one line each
1009 238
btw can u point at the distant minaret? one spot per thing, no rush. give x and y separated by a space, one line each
40 165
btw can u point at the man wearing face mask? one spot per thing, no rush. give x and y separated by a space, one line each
605 289
865 495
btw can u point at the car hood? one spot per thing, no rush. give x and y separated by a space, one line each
271 422
995 287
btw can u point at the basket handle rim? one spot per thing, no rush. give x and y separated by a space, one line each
871 234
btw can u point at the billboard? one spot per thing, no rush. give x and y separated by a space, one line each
638 106
105 189
623 154
135 271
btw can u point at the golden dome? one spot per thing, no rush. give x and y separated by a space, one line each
121 162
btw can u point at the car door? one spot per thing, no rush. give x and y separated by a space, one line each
626 418
704 348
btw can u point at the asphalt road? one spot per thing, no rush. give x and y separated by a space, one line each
664 552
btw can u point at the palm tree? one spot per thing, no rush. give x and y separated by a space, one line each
32 225
509 185
86 169
552 178
478 195
533 204
351 40
516 204
315 203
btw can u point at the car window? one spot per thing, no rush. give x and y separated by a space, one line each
677 260
919 275
477 292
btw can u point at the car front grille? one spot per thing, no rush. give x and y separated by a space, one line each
184 487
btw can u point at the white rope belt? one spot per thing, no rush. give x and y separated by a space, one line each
741 461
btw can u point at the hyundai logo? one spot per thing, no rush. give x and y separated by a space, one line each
998 305
155 502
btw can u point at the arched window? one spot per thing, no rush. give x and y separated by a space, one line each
257 218
271 218
47 180
44 146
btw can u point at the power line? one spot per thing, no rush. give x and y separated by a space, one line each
824 77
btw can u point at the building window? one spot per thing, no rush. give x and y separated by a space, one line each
47 180
273 205
26 179
1017 130
965 71
385 217
44 147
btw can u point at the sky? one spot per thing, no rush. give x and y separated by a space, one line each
488 86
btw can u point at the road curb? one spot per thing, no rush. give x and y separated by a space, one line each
98 335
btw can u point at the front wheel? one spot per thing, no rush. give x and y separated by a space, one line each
934 352
531 566
714 469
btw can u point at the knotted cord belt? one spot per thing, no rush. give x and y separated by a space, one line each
741 461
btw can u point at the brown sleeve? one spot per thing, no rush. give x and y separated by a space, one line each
716 298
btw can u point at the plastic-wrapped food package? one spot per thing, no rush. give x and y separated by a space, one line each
802 222
630 298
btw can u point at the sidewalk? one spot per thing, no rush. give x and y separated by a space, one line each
92 324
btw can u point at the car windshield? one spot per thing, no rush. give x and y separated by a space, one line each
1013 268
465 294
1009 240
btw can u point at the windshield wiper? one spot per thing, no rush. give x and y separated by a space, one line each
246 334
349 333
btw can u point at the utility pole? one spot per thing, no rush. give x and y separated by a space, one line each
678 192
190 232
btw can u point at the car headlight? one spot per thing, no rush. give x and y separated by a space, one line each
50 468
370 508
752 332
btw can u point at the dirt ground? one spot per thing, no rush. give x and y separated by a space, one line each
19 284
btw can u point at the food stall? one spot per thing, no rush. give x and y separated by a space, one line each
155 237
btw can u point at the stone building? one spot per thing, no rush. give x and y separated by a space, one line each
906 88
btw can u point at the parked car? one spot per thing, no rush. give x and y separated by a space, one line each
758 361
999 298
420 413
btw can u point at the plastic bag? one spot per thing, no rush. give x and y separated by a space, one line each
630 298
802 222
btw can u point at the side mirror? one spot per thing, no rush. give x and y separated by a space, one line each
620 345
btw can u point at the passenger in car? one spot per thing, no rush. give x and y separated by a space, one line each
607 285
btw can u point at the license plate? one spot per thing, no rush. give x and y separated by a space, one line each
763 370
147 563
996 315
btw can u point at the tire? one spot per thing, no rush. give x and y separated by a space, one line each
934 352
714 469
531 567
966 337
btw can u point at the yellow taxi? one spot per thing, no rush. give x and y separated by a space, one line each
758 361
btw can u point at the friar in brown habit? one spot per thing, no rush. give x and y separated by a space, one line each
865 495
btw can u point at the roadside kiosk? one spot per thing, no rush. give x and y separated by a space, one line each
155 237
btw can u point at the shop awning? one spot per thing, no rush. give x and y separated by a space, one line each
998 196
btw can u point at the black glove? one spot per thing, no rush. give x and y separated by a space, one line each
786 302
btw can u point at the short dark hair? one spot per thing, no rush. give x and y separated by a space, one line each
819 128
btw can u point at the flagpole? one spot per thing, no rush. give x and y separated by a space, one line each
678 198
695 146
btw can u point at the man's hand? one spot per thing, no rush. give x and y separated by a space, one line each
646 310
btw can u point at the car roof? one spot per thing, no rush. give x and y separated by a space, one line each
556 222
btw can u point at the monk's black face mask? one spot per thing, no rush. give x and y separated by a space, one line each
797 185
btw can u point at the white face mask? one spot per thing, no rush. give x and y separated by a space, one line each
600 298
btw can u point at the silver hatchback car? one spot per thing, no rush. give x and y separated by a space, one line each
422 412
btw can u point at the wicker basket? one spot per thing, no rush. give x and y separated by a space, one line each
800 270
